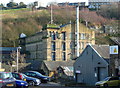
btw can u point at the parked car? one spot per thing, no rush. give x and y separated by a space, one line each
21 84
109 82
18 76
37 75
7 80
30 80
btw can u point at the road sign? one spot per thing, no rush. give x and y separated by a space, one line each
114 49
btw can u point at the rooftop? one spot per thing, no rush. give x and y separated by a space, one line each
8 48
103 50
104 0
52 65
54 26
116 40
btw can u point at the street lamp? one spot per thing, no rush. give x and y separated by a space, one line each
17 56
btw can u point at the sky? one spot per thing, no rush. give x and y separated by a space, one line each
43 1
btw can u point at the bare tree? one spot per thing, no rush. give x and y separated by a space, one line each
14 56
92 17
110 11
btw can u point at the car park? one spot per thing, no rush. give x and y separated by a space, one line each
7 80
109 82
29 80
37 75
21 84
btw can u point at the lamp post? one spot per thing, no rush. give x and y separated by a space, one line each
18 56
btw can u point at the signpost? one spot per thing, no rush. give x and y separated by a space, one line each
114 51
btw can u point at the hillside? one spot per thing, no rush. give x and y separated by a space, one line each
26 21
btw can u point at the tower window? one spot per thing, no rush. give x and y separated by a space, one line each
53 36
53 46
63 56
63 46
53 56
63 35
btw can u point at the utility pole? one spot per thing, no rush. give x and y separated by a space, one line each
77 29
1 40
18 57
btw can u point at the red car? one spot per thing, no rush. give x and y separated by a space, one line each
7 80
30 80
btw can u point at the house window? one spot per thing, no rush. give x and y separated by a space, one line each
87 36
63 35
70 35
63 46
53 56
82 36
71 45
82 45
53 36
57 34
63 56
53 46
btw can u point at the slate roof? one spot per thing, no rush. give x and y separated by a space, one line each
8 48
35 64
53 65
102 50
116 40
68 70
65 25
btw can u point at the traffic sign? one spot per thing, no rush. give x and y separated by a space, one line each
114 49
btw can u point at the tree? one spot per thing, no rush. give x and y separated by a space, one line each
14 57
32 6
110 11
22 5
92 17
1 6
12 5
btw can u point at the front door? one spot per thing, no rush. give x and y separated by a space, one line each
101 73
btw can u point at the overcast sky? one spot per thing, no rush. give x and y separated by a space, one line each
44 1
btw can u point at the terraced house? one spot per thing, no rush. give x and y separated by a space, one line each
96 4
57 43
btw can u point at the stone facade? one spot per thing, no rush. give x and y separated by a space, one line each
57 43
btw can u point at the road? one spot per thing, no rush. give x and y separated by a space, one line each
54 85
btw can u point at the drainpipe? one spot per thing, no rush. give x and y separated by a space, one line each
77 30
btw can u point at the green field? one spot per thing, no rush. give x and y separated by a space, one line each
21 13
